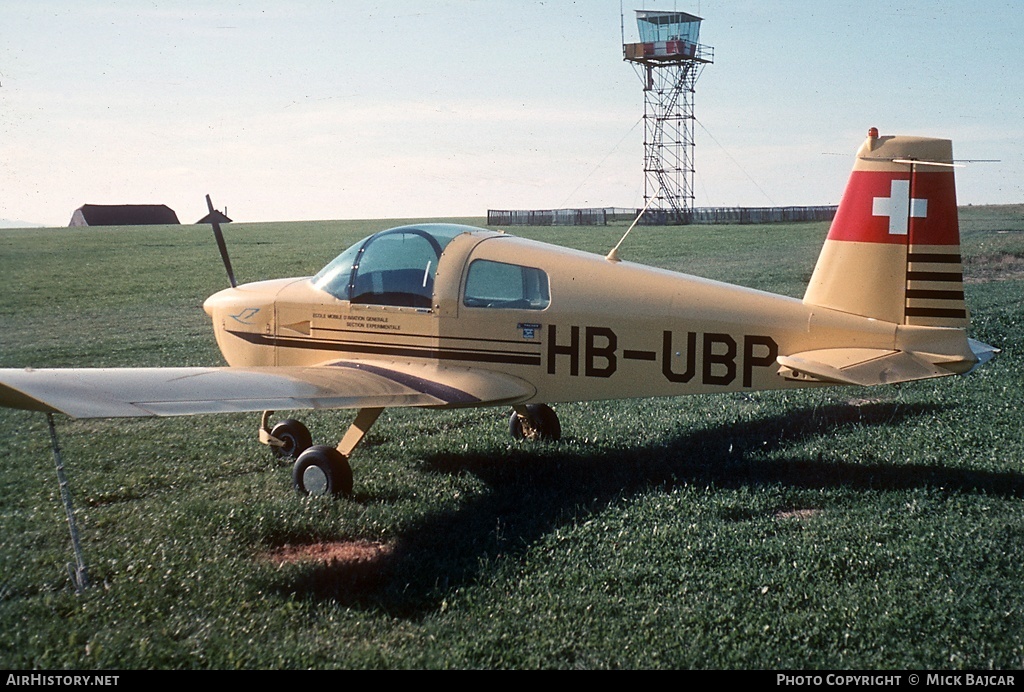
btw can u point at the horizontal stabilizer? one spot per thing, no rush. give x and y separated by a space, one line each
983 352
859 366
144 392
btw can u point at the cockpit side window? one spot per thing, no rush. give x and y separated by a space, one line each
393 267
510 286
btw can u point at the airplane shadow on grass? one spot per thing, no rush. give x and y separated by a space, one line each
540 488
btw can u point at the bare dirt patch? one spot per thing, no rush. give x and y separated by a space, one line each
331 553
1001 266
868 401
798 514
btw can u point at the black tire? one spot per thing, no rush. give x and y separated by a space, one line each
295 436
515 426
322 470
546 427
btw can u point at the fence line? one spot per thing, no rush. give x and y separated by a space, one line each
659 217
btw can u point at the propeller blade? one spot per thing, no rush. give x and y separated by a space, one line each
221 244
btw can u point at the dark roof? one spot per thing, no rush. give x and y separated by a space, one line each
123 215
216 215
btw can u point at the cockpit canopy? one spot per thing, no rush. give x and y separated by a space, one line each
392 267
397 267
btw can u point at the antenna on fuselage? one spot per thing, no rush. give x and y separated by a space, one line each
221 245
613 256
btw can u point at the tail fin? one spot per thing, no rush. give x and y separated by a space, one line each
893 251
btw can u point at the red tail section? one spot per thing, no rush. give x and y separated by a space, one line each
900 208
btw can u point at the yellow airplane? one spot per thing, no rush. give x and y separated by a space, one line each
448 316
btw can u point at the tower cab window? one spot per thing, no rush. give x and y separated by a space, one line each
394 267
510 286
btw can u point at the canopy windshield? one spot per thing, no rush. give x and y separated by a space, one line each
393 267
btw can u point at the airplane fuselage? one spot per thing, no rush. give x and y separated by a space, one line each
609 329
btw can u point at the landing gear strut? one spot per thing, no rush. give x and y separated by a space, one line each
535 422
318 469
325 470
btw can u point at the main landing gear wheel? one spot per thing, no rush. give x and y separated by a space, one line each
539 424
294 435
322 470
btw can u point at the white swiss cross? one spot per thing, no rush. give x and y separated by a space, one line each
899 207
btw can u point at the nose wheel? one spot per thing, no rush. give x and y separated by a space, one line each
287 440
294 438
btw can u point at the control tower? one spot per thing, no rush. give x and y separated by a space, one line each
668 60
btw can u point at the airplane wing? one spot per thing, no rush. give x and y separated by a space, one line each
144 392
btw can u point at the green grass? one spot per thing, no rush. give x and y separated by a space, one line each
850 528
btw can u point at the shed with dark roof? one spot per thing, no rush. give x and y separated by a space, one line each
216 216
123 215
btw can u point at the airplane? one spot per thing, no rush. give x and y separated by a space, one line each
450 316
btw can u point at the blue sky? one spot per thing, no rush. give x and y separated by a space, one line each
425 108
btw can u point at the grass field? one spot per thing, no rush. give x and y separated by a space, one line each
838 528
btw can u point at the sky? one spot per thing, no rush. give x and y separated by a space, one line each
316 109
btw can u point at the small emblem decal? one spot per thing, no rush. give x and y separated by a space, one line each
529 330
245 316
